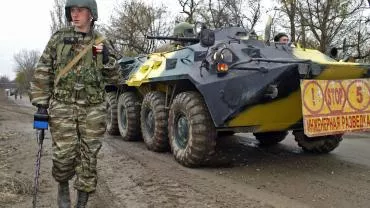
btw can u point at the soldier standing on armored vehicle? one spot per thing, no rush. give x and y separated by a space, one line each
69 82
181 30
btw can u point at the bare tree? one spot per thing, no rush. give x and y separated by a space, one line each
57 15
289 8
234 8
25 64
254 10
219 13
328 19
4 79
191 9
4 82
132 22
358 42
323 24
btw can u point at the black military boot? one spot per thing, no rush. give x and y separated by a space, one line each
82 198
64 201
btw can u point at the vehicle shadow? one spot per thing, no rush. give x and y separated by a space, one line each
244 150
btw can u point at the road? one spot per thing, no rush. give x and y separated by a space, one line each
243 175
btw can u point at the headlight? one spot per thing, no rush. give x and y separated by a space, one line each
222 67
222 58
223 55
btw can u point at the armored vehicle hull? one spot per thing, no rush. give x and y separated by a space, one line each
182 99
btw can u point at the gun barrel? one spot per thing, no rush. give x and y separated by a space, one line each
181 39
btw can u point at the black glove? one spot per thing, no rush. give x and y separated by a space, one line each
41 118
42 110
41 114
105 53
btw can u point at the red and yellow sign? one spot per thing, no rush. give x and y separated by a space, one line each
335 106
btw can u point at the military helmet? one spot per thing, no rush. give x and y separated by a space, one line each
90 4
183 29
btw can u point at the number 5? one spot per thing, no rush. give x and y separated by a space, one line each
359 94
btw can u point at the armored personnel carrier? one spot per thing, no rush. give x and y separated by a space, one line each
226 81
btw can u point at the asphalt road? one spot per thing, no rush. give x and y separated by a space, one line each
354 148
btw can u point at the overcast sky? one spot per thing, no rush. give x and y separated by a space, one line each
25 24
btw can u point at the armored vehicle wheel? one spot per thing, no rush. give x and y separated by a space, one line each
191 130
111 120
320 144
270 138
128 116
154 122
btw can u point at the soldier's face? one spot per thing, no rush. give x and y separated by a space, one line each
81 18
284 40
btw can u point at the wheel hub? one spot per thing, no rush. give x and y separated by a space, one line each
123 118
182 132
150 124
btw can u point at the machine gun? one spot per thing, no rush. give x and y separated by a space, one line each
206 38
175 38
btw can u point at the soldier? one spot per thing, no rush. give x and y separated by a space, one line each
281 38
182 29
69 82
16 93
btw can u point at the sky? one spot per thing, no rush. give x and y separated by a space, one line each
25 25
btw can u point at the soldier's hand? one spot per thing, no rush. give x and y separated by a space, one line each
42 110
99 48
40 118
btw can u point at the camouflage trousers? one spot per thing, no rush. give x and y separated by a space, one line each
76 140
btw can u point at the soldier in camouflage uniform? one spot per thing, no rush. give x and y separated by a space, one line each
182 29
75 99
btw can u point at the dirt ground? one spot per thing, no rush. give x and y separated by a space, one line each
244 174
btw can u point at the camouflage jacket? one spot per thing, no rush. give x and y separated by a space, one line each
84 83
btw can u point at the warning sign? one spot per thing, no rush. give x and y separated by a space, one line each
335 106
